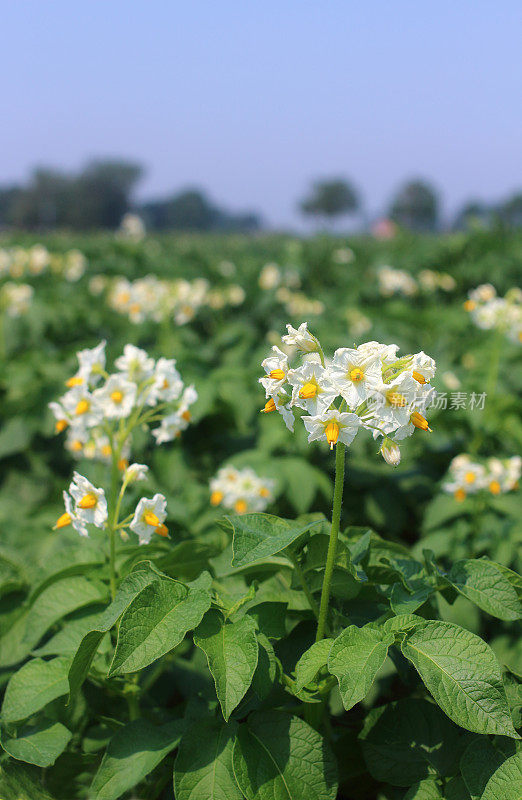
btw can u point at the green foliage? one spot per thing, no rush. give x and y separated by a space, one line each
202 675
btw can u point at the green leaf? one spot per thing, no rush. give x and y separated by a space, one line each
355 659
133 752
258 536
19 782
280 757
311 662
478 763
485 585
34 685
506 781
141 576
54 603
39 744
455 789
232 651
424 790
156 621
270 618
461 672
203 767
67 641
409 740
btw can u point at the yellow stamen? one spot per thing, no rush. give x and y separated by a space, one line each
356 374
276 374
470 477
332 433
117 396
135 308
151 519
419 421
216 498
63 521
162 530
309 391
396 399
187 416
165 384
418 377
240 506
494 487
269 406
469 305
61 425
76 445
460 495
123 464
264 492
123 297
89 501
106 450
82 407
74 381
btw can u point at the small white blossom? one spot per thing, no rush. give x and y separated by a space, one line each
149 517
334 426
90 502
135 472
301 338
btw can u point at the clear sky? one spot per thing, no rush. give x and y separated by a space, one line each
253 100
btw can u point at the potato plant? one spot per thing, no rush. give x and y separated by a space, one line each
162 636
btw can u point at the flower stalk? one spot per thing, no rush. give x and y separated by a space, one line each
334 535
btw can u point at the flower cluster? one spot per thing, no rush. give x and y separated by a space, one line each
469 476
396 281
241 490
100 410
86 505
489 311
367 387
19 262
16 298
298 304
150 298
273 276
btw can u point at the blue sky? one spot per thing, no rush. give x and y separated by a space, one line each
253 100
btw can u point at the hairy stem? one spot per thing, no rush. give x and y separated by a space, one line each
334 534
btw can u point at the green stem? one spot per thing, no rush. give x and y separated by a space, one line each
334 534
114 506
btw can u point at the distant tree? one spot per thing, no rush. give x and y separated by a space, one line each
473 213
330 199
510 212
191 210
102 194
415 206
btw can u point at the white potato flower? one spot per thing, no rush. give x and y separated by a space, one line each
82 407
149 518
71 518
312 387
117 397
355 374
90 502
334 426
241 490
92 363
135 364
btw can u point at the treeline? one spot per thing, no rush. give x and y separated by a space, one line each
100 195
416 206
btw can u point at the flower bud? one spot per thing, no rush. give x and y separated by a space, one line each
390 451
